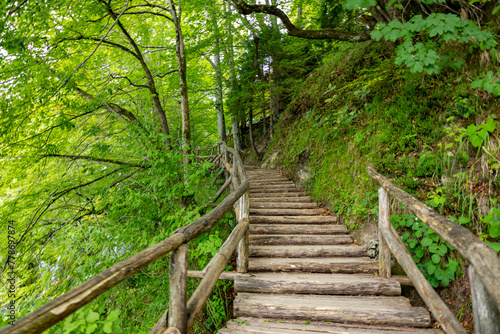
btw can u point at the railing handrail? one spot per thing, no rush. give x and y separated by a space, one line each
63 306
478 253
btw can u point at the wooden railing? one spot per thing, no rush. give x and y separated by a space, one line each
484 268
181 313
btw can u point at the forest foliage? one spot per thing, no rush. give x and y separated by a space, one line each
102 103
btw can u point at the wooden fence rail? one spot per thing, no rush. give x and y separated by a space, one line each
484 268
182 313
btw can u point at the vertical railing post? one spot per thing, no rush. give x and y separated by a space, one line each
486 313
177 314
243 249
384 222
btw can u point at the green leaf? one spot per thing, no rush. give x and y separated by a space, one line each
108 327
475 140
90 329
489 125
92 316
113 315
419 252
494 245
436 258
494 230
463 220
431 267
426 242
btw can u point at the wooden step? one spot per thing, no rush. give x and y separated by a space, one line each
277 194
274 326
297 229
293 219
299 239
274 190
321 284
282 205
272 187
370 310
298 199
308 251
284 182
286 212
316 265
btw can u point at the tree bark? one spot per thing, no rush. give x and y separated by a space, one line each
151 83
181 61
338 35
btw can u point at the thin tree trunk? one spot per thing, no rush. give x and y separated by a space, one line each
232 80
181 61
151 83
219 104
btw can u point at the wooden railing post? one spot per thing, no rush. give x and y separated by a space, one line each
486 314
177 313
243 247
384 222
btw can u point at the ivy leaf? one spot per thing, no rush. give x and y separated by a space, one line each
436 258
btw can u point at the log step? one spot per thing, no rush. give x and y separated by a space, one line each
322 284
316 265
286 212
299 239
283 182
297 229
278 194
298 199
282 205
293 219
370 310
273 326
308 251
278 189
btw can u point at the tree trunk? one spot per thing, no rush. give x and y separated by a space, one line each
232 81
181 61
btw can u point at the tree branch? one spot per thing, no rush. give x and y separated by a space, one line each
339 35
84 157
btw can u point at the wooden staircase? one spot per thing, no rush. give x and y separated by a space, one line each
307 276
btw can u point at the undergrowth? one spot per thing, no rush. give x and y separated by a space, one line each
433 135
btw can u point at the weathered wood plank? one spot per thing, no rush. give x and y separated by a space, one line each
289 239
274 326
277 194
275 190
438 308
177 315
296 199
464 241
282 205
314 265
332 284
213 270
297 229
394 311
293 219
308 251
383 223
286 212
486 315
